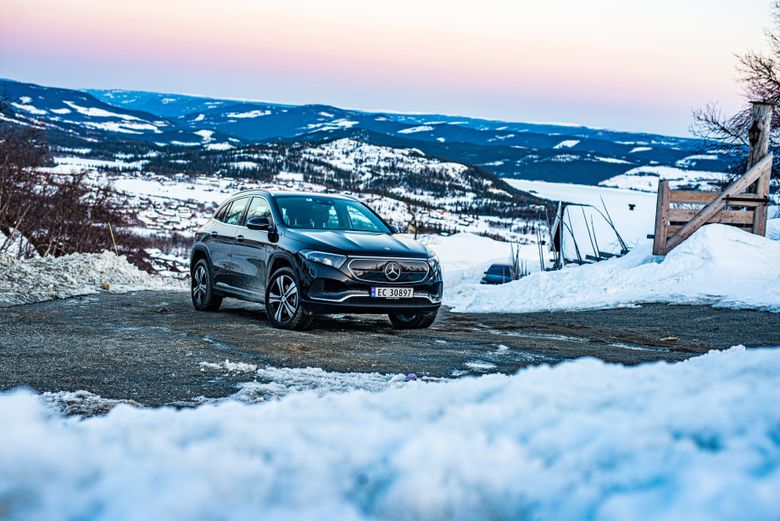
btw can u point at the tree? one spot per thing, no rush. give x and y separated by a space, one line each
759 76
53 214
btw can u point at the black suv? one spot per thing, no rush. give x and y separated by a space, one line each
307 253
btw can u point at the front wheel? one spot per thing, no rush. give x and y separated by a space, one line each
413 320
283 302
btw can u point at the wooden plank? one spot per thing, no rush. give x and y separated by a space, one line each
678 215
693 196
747 200
737 187
673 228
661 218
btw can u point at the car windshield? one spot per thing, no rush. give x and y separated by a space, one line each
328 213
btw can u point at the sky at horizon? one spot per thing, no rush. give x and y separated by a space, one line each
639 66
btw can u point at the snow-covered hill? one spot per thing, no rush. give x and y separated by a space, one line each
547 151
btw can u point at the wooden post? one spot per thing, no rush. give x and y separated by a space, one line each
759 147
661 218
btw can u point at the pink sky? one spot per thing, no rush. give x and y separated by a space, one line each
617 64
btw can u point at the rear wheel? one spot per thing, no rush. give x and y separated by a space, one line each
283 302
203 296
413 320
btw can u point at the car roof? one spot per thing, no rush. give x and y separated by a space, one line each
284 193
500 265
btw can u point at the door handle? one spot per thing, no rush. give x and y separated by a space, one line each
240 238
215 234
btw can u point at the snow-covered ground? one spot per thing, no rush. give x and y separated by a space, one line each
46 278
718 265
695 440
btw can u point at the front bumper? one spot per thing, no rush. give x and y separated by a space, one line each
329 290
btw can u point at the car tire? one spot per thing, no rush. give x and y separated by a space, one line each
283 302
413 320
202 288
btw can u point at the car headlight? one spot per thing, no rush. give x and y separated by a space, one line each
328 259
433 261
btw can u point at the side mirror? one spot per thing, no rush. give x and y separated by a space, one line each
394 229
259 223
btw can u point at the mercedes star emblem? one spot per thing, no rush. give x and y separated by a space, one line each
392 271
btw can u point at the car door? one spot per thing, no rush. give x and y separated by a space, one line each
223 237
251 251
217 242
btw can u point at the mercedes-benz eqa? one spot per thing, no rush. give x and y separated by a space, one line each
307 253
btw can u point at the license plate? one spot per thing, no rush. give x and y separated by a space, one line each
392 292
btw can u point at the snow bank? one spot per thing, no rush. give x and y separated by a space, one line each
581 440
719 265
24 281
272 383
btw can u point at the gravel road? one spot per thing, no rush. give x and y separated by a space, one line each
148 346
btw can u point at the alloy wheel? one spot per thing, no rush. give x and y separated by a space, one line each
283 298
199 285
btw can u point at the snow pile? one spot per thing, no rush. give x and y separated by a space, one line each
82 403
719 265
272 383
581 440
23 281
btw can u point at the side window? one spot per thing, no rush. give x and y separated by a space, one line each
221 214
236 210
258 208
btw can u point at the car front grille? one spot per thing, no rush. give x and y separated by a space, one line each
372 269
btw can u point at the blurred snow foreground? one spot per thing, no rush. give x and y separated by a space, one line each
45 278
696 440
719 265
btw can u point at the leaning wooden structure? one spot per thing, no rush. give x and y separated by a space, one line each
743 203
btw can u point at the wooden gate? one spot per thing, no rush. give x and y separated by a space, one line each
743 203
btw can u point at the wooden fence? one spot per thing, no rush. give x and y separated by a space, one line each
743 203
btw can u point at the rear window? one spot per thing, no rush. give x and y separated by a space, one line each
236 211
497 269
221 214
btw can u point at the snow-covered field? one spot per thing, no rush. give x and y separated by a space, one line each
646 178
46 278
633 212
718 265
695 440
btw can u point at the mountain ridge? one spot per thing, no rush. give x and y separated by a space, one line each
543 151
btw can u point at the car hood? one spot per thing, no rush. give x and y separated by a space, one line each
357 243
